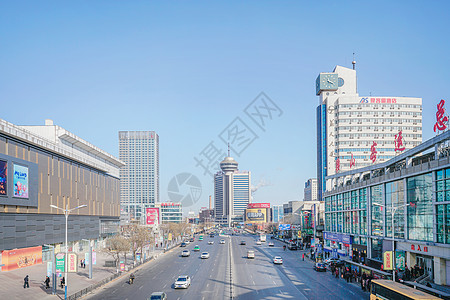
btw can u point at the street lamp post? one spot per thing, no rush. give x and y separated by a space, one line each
66 214
393 210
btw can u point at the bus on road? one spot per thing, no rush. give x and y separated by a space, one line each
387 289
262 237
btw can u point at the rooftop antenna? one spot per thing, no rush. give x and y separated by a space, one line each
228 149
354 61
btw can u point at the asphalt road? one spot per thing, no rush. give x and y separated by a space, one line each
255 278
295 279
208 276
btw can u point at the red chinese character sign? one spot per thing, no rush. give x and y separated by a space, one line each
440 118
352 161
338 164
373 152
399 142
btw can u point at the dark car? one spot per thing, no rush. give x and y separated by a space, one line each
320 267
242 242
292 246
337 263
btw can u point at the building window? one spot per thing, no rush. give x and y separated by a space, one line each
395 196
377 211
420 212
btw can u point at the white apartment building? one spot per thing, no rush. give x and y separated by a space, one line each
310 191
355 131
139 179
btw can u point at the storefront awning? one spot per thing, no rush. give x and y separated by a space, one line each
369 268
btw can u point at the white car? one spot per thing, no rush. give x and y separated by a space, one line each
185 253
204 255
250 254
258 242
271 244
278 260
210 242
222 241
182 282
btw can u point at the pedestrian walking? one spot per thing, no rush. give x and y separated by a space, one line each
47 282
363 281
336 273
303 256
25 282
84 263
63 282
81 263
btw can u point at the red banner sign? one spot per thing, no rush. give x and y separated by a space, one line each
258 205
152 215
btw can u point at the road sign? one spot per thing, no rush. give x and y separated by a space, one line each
284 227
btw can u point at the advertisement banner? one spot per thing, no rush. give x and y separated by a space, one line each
169 237
284 227
3 177
387 260
60 262
72 263
258 205
94 257
400 260
20 258
152 214
255 215
20 180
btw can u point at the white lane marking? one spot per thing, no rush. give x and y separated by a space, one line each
253 282
273 281
164 286
207 285
141 287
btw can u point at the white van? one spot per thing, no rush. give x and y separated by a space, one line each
250 254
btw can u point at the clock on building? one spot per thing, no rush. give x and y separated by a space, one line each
326 82
340 82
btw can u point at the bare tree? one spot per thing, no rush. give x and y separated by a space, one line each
115 246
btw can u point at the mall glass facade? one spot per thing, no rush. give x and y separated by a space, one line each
423 203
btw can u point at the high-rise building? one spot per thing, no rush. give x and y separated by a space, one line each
231 192
277 213
170 212
139 179
355 131
310 191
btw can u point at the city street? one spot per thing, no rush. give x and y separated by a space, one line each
255 278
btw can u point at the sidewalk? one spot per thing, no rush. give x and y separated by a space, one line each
12 281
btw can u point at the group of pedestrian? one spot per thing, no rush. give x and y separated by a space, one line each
348 275
83 263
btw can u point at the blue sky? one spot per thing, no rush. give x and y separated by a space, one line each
187 69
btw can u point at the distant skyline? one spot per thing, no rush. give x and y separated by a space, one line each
187 70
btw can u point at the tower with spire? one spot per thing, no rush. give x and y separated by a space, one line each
231 192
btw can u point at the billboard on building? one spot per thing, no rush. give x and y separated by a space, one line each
256 215
20 179
387 260
258 205
3 177
20 258
152 214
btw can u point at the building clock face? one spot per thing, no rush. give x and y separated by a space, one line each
340 82
326 82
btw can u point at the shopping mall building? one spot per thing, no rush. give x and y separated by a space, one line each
48 165
416 186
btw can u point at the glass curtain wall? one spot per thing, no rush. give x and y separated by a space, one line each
377 211
420 210
395 197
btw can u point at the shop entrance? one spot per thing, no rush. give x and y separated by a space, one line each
426 263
